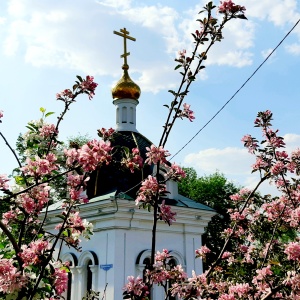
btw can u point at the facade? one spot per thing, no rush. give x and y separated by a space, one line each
121 242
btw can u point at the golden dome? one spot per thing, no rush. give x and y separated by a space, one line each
125 87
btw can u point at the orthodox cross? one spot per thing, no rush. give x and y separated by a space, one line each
124 33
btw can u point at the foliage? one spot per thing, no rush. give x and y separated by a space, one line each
213 190
264 257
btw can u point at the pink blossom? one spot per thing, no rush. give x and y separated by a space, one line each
274 140
31 255
93 154
182 54
76 227
35 200
262 273
202 251
166 213
175 173
40 166
227 297
48 130
187 113
278 168
106 133
60 280
133 161
259 164
293 251
226 255
72 156
149 189
156 154
1 115
3 182
162 256
10 279
227 6
250 143
88 86
65 94
9 216
136 286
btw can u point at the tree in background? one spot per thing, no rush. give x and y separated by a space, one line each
213 190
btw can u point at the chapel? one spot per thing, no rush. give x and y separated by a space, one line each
120 245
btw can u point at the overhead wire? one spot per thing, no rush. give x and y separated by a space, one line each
231 98
242 86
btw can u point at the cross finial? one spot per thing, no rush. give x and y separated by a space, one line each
124 33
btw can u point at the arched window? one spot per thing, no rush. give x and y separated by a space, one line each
117 116
131 116
88 266
124 114
89 277
171 264
72 260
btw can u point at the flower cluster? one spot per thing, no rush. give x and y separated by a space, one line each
74 227
133 160
60 277
106 134
4 182
166 214
66 94
227 6
34 252
88 86
135 287
48 130
175 172
186 112
34 201
156 154
90 155
11 279
37 166
149 189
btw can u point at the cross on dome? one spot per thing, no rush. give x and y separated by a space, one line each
125 34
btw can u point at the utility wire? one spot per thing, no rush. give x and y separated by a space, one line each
237 90
249 78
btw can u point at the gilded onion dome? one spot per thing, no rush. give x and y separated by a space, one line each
125 87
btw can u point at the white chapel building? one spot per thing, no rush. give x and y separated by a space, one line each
120 245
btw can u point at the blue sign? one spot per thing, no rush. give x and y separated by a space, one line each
106 267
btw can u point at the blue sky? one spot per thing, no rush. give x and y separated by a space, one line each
45 44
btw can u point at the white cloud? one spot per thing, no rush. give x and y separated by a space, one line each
235 163
156 78
265 53
228 160
279 12
117 4
293 49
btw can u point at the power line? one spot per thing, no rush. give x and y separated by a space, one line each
249 78
230 97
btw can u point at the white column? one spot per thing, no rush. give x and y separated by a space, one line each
81 282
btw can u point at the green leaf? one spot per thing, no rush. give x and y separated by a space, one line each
42 109
177 67
20 180
49 114
80 78
242 16
172 92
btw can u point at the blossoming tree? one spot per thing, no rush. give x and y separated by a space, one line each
263 265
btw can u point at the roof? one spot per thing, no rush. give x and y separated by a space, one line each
112 177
